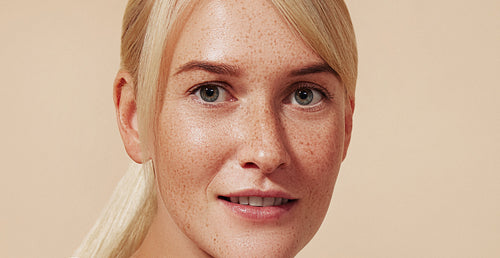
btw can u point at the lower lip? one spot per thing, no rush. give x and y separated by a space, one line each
258 213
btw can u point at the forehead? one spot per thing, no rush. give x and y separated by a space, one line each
244 33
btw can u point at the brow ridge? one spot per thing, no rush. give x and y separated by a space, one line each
231 70
314 68
212 67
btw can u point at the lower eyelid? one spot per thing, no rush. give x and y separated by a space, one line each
317 94
224 94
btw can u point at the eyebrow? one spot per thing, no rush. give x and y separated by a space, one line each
231 70
212 67
314 68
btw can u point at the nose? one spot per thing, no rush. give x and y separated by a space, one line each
264 144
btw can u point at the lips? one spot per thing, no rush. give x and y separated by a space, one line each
266 207
257 205
257 201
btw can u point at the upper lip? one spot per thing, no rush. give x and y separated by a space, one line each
260 193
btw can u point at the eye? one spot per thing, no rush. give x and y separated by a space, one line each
306 97
211 93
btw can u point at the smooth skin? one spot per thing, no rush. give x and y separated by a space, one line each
281 122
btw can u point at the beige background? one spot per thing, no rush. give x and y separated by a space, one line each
422 178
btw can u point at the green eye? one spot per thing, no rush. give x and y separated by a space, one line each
212 92
209 93
306 97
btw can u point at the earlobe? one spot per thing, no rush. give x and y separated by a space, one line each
126 114
349 110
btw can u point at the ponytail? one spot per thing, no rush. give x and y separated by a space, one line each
122 226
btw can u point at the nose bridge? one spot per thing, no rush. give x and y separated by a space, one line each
264 145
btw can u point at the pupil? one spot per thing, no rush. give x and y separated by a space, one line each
209 93
304 96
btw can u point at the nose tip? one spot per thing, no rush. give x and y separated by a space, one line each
264 145
266 161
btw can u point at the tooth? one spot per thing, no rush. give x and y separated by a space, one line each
234 199
277 201
285 200
268 201
255 201
244 200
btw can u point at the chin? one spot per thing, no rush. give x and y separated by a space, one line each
232 236
268 244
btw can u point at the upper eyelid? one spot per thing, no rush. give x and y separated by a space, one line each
310 85
220 84
289 90
223 89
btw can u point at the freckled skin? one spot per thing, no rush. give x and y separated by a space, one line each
255 139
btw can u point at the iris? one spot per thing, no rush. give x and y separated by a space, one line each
304 96
209 93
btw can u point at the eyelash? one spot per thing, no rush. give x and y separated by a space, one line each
196 87
193 91
312 86
326 96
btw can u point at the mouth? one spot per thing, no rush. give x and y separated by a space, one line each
257 201
259 206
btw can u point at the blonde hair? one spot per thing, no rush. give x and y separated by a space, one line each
148 27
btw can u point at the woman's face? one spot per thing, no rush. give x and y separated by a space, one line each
251 118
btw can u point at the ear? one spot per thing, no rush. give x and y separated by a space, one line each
126 114
349 110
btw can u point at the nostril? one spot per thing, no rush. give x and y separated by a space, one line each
250 165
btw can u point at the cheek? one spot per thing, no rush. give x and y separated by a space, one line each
317 154
317 148
188 152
